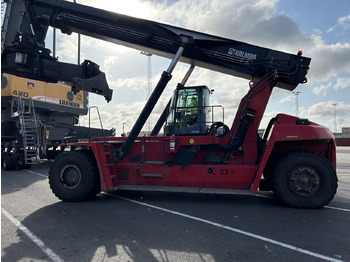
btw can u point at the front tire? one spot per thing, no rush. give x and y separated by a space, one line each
304 179
74 176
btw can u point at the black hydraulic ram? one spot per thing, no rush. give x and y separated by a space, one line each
141 120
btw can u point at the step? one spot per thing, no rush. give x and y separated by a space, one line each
185 189
32 158
29 124
32 151
30 131
30 142
155 162
31 145
152 175
32 154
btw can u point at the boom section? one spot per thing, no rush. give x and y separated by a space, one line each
212 52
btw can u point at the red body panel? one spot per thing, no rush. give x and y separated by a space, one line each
286 130
310 137
151 162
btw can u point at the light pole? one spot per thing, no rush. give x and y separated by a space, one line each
296 93
335 116
123 128
149 84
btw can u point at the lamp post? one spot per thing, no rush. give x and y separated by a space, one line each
335 116
296 93
123 128
149 84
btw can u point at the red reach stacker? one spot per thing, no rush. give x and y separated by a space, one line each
196 152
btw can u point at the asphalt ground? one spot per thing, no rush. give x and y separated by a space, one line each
149 226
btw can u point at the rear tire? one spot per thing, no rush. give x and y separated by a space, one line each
74 176
304 179
10 163
7 163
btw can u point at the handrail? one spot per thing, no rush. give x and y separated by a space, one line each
204 108
99 117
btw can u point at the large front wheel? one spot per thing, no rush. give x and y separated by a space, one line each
74 176
304 179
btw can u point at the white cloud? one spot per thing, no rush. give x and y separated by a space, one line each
265 28
322 89
323 109
342 22
67 47
253 21
134 8
286 99
328 60
342 83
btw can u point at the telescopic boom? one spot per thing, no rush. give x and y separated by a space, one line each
212 52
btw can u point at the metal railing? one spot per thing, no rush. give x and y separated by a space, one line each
99 117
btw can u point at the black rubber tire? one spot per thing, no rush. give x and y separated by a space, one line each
7 163
304 179
74 176
10 163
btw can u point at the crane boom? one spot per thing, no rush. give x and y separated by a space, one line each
208 51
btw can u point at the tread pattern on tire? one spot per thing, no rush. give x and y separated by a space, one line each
284 194
91 185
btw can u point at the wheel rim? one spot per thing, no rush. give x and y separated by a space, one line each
70 176
304 181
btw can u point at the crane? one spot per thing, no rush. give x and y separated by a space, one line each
295 158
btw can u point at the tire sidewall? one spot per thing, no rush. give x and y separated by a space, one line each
83 189
326 174
9 163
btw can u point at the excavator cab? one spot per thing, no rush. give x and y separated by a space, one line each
188 112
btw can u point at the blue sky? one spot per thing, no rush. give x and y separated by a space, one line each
330 20
312 15
321 28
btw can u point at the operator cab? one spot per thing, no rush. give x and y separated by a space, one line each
190 111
